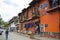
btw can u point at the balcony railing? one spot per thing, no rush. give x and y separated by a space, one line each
54 4
35 14
25 19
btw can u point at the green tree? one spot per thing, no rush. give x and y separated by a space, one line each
1 21
6 24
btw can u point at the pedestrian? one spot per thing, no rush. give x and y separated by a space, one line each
6 33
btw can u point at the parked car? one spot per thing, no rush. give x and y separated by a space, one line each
1 32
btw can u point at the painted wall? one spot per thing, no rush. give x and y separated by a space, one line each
12 25
30 16
49 18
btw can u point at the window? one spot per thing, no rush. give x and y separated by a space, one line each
22 16
36 11
42 28
27 14
53 3
35 7
46 25
31 9
58 2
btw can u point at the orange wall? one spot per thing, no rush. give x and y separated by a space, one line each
59 18
51 19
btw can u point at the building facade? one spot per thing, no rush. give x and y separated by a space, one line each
41 16
14 24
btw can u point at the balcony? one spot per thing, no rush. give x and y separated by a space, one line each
36 14
21 21
54 6
52 9
25 20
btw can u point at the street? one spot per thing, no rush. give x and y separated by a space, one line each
17 36
14 36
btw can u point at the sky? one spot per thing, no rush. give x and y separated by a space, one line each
11 8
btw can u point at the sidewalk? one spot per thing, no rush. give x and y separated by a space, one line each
38 37
45 38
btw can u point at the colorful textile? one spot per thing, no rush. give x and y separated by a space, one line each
31 24
27 25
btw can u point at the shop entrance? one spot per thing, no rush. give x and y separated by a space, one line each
37 27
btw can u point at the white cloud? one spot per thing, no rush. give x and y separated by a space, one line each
10 8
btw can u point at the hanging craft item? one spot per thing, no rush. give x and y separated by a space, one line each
42 6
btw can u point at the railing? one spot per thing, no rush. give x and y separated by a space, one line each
54 3
36 14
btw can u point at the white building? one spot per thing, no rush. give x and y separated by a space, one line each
12 23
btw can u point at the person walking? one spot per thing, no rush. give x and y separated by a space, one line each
6 33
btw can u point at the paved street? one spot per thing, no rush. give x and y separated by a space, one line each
14 36
17 36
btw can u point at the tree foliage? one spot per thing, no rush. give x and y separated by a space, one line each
0 21
6 24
